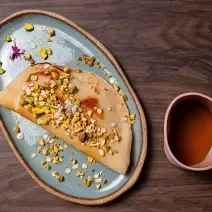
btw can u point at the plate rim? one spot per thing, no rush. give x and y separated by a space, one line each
135 175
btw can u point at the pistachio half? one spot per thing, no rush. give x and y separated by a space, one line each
51 32
43 53
124 96
7 38
27 56
49 51
16 129
28 27
59 178
38 111
2 71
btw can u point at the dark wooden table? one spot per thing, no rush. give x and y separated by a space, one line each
165 49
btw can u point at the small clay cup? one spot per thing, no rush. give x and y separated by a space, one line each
207 163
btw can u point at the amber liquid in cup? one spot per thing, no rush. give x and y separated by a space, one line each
190 137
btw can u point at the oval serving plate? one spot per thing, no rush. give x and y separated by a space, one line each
70 42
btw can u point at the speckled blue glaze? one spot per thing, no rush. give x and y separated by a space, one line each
67 45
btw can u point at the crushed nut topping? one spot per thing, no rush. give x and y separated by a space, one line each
67 170
33 155
20 136
99 110
45 105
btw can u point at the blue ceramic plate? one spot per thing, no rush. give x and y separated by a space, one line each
70 42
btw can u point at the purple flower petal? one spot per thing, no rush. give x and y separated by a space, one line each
16 53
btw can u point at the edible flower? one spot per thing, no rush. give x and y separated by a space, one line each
16 52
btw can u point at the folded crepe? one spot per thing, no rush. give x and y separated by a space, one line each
78 107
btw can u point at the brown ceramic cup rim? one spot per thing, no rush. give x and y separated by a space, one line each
166 143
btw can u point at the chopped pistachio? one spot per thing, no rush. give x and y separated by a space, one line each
78 174
97 62
28 27
51 32
41 142
98 186
45 152
56 160
77 102
110 152
67 69
16 129
47 166
74 162
2 71
43 162
42 50
49 40
27 56
109 75
132 122
89 113
124 96
106 148
89 60
79 58
84 181
54 75
116 87
59 178
7 38
29 99
90 159
38 111
22 101
88 183
32 61
49 51
132 116
54 174
104 181
43 53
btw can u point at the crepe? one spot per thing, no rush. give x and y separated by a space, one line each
80 108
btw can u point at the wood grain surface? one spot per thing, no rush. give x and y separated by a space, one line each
165 49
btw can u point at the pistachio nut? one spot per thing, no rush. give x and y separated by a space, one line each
51 32
7 38
28 27
2 71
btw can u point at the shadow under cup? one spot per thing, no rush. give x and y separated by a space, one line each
203 99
